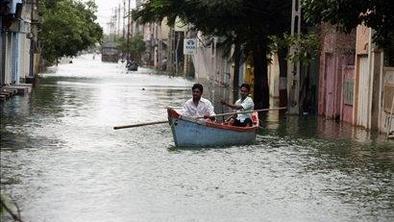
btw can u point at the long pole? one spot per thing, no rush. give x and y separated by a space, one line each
245 112
118 34
140 124
124 14
217 115
128 31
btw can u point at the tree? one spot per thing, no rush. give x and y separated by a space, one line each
68 27
135 48
245 23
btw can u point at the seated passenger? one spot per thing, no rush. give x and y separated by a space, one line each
245 103
198 106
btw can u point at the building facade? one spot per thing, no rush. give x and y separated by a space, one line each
336 77
355 84
19 57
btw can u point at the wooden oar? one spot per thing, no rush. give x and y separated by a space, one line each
244 112
221 114
139 124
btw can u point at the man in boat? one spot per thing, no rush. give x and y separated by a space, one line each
198 106
245 103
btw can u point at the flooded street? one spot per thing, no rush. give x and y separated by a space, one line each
62 161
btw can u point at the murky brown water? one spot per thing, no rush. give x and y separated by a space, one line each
62 161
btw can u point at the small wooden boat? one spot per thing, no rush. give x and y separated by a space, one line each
200 132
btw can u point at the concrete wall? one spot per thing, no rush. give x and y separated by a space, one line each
164 30
388 95
213 69
364 78
374 84
361 93
362 40
273 76
8 59
15 47
326 70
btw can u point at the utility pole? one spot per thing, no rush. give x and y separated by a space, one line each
114 21
293 75
124 16
118 34
128 32
113 24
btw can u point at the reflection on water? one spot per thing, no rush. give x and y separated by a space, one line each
61 160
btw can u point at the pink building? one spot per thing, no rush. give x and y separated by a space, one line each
336 78
355 85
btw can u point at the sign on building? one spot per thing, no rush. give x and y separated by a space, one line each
189 46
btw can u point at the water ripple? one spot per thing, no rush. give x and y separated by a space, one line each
62 161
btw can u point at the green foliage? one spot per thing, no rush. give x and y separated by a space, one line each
242 21
137 45
347 14
306 46
135 48
68 27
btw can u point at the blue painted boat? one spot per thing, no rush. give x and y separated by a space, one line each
190 132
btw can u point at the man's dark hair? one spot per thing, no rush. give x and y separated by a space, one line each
246 86
198 86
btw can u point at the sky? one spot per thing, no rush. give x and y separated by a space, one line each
106 9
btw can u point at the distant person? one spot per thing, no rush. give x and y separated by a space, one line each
164 64
198 106
245 103
129 62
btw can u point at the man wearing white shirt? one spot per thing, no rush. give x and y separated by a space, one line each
198 106
245 103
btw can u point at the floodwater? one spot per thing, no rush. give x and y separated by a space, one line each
62 161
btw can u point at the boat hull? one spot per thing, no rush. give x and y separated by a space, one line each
190 132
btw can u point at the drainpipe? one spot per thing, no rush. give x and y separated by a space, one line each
15 58
31 64
2 54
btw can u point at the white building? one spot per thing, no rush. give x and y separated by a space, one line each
16 64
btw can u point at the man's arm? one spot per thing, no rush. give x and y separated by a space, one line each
232 106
